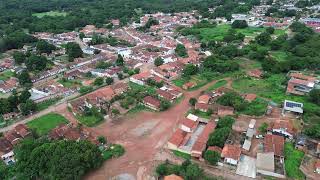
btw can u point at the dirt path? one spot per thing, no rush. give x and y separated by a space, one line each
143 135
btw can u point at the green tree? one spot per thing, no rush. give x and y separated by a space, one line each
102 140
263 38
164 105
82 35
263 128
98 81
158 61
73 50
314 96
218 137
36 63
270 30
226 121
19 57
109 80
212 157
68 159
192 101
189 70
44 47
181 51
194 172
24 95
28 107
103 65
239 24
120 61
24 78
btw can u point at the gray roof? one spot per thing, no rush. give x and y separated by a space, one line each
250 132
265 161
246 145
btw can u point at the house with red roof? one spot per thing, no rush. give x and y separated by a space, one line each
202 107
152 103
166 95
140 78
201 142
189 85
204 99
256 73
249 97
176 139
283 128
274 143
300 84
188 125
231 154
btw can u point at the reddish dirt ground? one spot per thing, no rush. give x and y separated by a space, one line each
143 136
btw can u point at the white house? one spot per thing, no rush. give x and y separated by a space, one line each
231 154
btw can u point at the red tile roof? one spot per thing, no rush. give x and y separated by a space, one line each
166 95
255 73
250 97
22 130
204 99
178 137
274 143
231 151
152 101
189 123
201 142
284 124
172 177
302 76
202 106
5 145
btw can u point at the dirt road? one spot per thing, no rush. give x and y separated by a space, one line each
143 135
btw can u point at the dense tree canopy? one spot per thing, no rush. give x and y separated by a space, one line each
73 50
40 159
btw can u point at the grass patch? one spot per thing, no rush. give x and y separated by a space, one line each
45 104
89 120
292 161
279 55
181 154
138 108
5 75
217 33
256 108
50 13
69 83
44 124
217 85
113 151
201 114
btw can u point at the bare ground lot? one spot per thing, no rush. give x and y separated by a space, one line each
143 135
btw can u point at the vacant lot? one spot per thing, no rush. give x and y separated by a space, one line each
44 124
50 13
292 161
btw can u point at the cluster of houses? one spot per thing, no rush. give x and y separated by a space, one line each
10 139
71 132
300 84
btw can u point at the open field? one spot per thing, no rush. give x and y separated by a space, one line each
217 85
217 33
89 120
44 124
50 13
